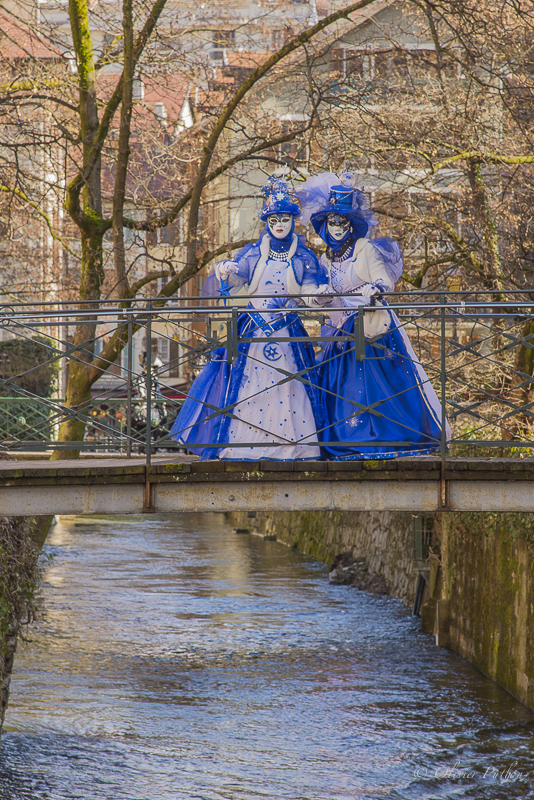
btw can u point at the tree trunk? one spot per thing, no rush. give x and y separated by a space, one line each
81 375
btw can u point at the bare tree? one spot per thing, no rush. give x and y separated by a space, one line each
431 105
82 92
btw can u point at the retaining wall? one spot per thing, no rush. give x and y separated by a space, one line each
482 595
384 538
479 596
36 529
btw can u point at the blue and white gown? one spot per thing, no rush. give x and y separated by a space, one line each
260 410
387 400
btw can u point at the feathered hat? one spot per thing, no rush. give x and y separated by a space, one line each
278 198
327 194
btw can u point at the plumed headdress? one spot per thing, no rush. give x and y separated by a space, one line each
327 193
278 198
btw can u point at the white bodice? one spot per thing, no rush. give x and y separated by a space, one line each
364 265
342 278
273 281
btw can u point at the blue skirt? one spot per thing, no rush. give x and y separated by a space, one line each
382 407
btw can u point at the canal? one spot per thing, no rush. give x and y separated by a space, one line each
178 659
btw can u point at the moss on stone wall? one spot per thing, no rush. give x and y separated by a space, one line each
486 567
21 539
384 538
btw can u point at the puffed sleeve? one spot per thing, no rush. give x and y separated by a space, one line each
233 281
315 274
370 267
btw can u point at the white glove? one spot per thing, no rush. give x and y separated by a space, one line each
224 268
369 290
323 289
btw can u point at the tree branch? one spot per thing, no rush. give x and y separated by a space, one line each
227 112
118 341
36 96
75 186
148 278
21 196
200 261
490 158
167 219
123 152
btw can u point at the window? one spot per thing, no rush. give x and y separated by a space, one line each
138 89
163 348
168 235
174 359
221 41
391 67
161 113
293 152
277 39
337 60
347 63
404 68
169 352
353 63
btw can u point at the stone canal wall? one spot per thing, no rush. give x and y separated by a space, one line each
383 538
21 539
482 595
479 593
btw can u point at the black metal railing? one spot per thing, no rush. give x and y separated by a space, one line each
476 349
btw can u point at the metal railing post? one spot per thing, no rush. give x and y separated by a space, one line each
235 351
148 383
359 337
443 499
129 367
149 504
443 447
229 337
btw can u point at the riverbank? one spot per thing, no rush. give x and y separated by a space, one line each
478 595
21 539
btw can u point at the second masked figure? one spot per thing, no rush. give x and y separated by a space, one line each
384 405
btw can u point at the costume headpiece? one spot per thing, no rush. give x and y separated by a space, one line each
278 198
327 194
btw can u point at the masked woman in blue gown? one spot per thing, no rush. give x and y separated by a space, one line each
239 411
383 406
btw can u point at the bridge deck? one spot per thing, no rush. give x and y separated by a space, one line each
182 483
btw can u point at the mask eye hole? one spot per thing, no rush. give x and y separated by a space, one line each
338 221
274 219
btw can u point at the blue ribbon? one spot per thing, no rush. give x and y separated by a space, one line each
224 291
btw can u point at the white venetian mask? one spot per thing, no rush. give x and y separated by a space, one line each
279 225
337 226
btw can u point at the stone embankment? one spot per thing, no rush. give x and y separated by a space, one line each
384 539
21 539
478 595
480 599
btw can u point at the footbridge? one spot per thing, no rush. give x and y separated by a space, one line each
139 358
182 484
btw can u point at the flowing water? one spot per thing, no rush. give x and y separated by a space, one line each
178 659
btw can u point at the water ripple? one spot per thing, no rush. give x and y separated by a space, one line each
177 659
